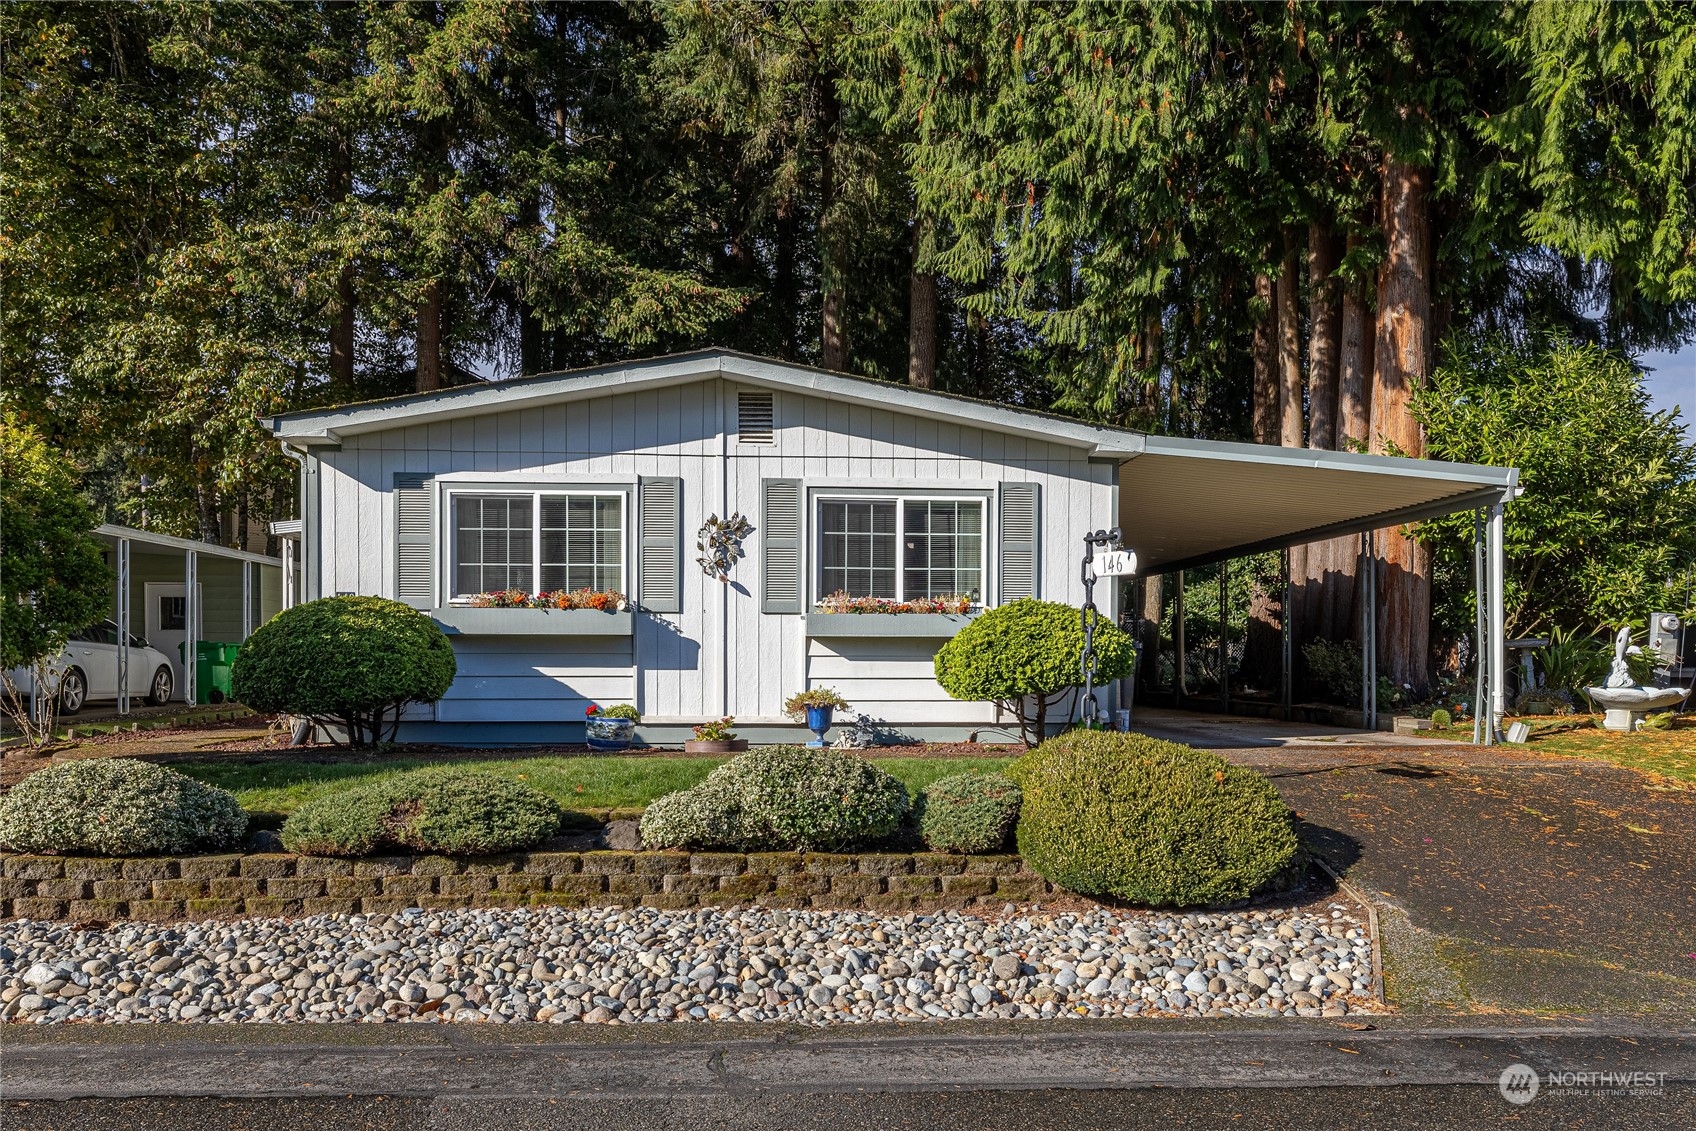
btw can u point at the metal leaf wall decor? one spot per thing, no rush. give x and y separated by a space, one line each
720 543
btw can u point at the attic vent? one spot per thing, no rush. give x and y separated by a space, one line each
753 418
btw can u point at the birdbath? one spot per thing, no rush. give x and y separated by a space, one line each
1626 701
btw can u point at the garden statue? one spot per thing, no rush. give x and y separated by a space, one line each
1626 701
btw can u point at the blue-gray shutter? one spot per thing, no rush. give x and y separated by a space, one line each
1017 564
415 540
659 544
781 585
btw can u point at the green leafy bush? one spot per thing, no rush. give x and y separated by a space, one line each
439 809
968 812
1334 669
117 807
1021 655
1441 718
1147 821
781 797
352 662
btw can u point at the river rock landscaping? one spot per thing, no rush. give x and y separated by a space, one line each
636 965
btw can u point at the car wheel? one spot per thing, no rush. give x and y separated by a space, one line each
73 690
160 693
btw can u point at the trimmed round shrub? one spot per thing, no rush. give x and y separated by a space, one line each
348 662
781 797
439 809
968 812
1150 822
1023 654
1441 718
117 807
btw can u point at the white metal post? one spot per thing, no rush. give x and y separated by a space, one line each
123 611
191 624
288 572
246 599
1498 618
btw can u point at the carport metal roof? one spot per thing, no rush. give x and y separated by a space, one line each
1187 503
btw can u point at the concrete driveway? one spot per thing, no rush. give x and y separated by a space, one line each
1212 731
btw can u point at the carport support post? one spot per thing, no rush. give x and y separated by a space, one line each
1480 634
1498 618
123 611
288 572
246 599
1179 688
1224 637
1286 668
191 624
1369 633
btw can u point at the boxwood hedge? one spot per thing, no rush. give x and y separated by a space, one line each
117 807
1148 821
438 809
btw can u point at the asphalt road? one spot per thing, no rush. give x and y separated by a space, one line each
1418 1108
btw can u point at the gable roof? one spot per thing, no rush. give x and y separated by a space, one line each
327 426
1183 503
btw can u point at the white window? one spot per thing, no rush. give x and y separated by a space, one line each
901 549
537 542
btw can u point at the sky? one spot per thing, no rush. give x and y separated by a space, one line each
1673 384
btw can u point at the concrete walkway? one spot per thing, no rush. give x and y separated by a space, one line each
1241 732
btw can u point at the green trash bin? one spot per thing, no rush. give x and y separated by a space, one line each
212 662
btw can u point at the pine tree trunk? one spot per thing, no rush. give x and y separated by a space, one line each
1287 319
1265 396
1311 586
341 330
1354 403
783 285
430 338
833 244
921 309
1401 358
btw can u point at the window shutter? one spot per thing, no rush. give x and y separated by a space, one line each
1018 561
415 541
780 532
659 550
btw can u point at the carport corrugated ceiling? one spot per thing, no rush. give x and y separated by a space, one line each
1185 508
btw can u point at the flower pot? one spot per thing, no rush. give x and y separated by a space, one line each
818 721
607 733
715 746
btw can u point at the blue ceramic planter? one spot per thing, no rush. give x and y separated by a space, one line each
818 721
603 733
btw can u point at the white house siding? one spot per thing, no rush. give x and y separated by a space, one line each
720 655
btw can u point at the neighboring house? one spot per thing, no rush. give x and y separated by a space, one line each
602 478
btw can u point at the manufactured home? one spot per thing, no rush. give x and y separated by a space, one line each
610 479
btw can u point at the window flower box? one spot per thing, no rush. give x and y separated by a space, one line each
468 621
935 626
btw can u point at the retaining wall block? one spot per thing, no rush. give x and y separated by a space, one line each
938 863
969 887
855 886
213 907
295 887
122 889
34 867
62 889
34 907
234 887
464 885
378 866
98 910
209 867
828 863
717 863
608 863
877 864
150 868
267 865
436 866
553 863
180 889
993 865
323 866
92 868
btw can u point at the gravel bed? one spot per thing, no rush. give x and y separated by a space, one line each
617 966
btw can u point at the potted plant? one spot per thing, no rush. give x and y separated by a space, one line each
815 707
610 728
716 737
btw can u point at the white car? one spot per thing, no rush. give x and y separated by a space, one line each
88 669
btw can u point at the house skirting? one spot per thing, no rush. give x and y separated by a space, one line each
674 735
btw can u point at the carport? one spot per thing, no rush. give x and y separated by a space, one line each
1184 504
184 591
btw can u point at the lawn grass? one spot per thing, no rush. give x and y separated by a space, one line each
272 790
1666 753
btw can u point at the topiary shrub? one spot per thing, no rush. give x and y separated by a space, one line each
349 662
1441 719
439 809
117 807
781 797
1021 655
968 812
1151 822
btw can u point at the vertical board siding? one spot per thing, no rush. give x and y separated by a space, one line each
718 652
